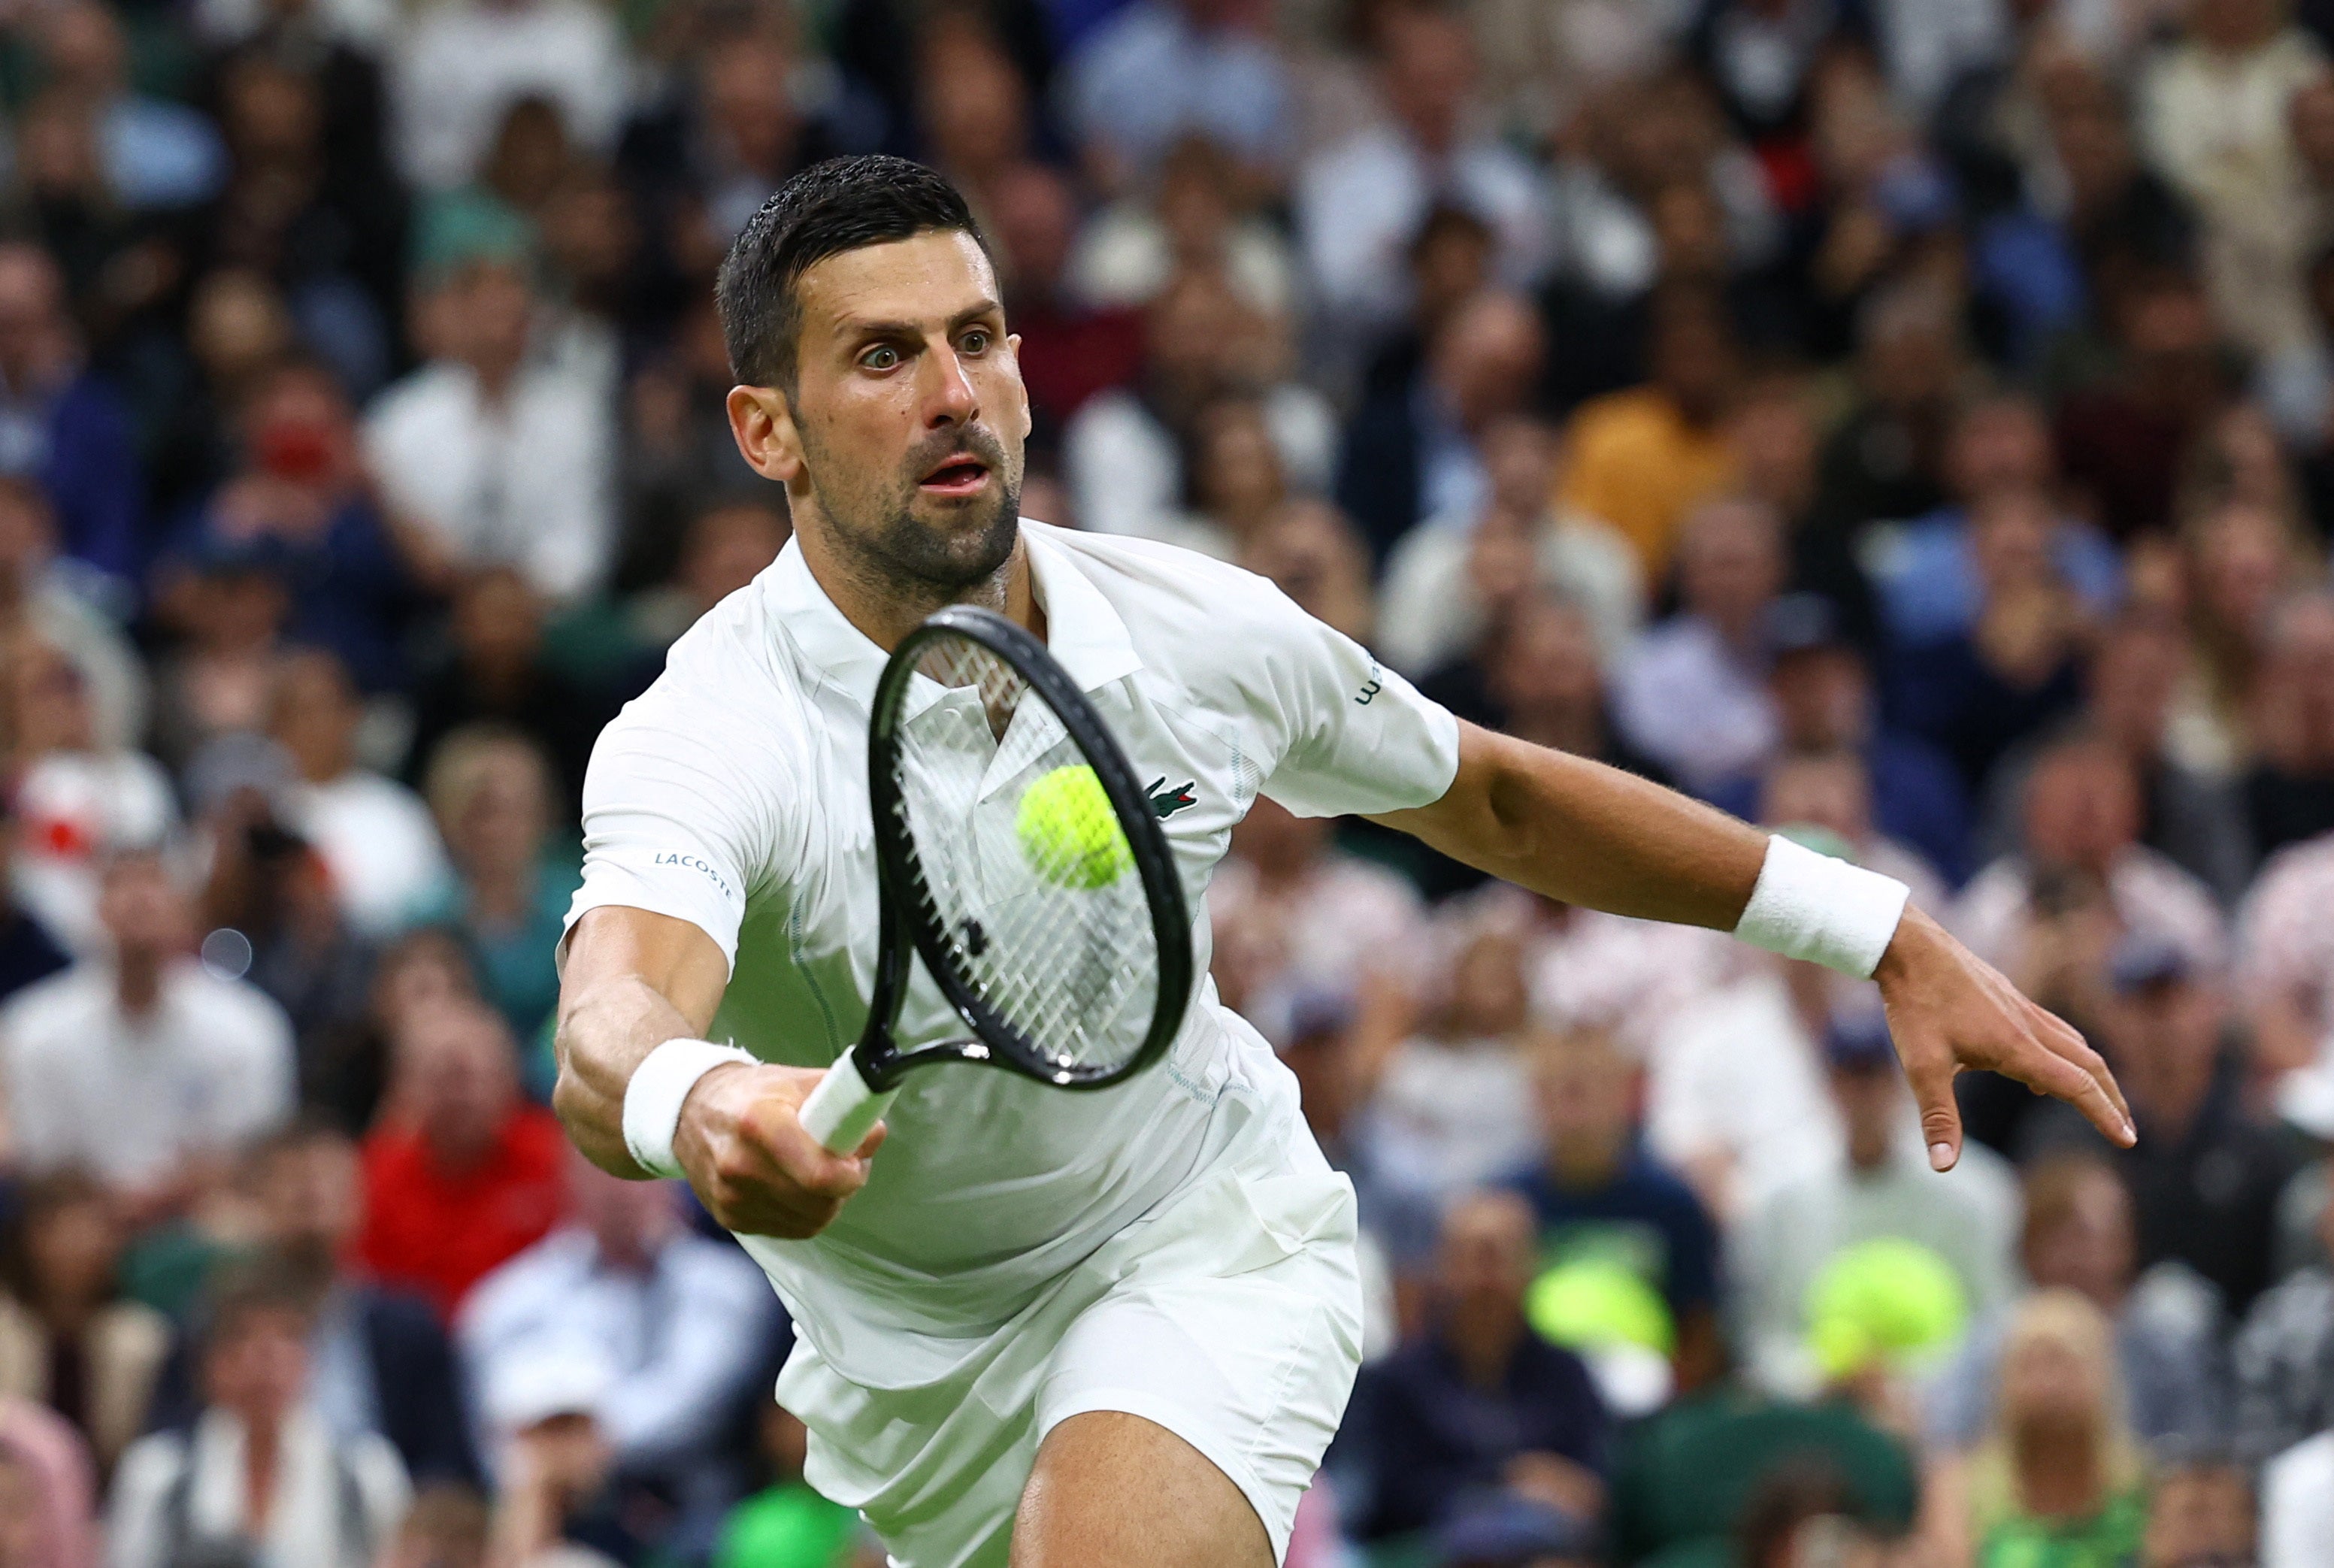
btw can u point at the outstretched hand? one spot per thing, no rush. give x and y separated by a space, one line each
1948 1009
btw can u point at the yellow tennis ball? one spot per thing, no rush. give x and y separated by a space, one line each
1068 832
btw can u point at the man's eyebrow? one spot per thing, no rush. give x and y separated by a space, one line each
875 329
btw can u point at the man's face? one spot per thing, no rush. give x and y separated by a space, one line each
910 414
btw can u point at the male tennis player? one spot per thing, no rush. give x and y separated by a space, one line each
1113 1329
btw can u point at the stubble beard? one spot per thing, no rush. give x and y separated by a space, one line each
892 554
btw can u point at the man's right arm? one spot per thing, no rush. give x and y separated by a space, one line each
634 980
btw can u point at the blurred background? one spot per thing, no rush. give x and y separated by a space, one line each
1906 423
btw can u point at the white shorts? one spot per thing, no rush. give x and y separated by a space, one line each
1231 1316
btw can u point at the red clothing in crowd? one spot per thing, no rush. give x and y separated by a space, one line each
436 1231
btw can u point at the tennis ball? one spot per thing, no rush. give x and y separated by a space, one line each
1069 833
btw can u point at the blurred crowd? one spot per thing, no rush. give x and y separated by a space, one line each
1906 423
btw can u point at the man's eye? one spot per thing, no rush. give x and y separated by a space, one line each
883 357
976 341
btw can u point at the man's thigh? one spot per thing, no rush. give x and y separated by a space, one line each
1115 1488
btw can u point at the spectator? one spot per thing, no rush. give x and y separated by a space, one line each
298 506
47 1494
27 951
382 1364
2081 1234
1820 687
1121 454
1886 460
458 70
680 1322
260 1471
1304 916
2288 791
461 1174
157 154
229 602
1071 346
2120 442
2241 559
1359 202
487 454
1413 449
1452 1106
1692 694
1479 1400
1455 576
1976 693
60 425
2188 815
374 834
493 796
1735 1098
68 1341
2280 984
1928 578
1160 69
309 200
1879 1187
1310 552
498 670
2205 1174
2283 1356
1537 677
424 966
1644 460
2200 1512
2212 115
2060 1468
142 1066
1201 216
1599 1194
76 798
2080 862
43 597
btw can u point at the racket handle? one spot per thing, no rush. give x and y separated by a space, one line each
843 1107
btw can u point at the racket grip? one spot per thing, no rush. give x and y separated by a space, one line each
843 1107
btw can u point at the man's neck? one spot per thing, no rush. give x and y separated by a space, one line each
886 614
137 981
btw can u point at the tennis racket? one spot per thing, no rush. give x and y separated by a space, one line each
1016 854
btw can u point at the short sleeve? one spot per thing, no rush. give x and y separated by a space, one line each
1358 738
673 821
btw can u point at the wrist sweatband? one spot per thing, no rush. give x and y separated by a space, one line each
1810 905
652 1099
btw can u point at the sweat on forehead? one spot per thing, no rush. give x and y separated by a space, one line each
844 204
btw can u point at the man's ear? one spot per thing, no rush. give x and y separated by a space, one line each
762 421
1020 387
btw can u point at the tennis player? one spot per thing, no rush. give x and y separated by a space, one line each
1039 1328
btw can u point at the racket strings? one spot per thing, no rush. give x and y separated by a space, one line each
1072 968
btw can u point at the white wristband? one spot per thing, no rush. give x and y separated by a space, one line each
652 1099
1810 905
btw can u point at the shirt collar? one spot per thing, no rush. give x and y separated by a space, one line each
1083 630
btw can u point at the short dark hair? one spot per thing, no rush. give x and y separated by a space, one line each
841 205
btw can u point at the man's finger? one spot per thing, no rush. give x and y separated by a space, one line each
1940 1114
2045 1071
2067 1041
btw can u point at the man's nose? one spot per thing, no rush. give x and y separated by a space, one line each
950 399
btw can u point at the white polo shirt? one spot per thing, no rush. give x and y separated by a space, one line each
733 794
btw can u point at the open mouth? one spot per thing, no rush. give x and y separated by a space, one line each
959 476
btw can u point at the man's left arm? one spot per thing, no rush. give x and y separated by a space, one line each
1589 834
